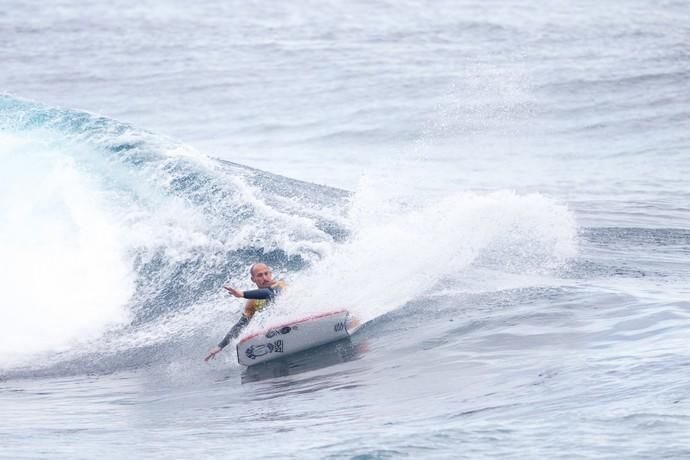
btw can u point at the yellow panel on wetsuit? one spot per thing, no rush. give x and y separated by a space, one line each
254 305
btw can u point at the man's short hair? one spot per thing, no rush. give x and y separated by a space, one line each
253 266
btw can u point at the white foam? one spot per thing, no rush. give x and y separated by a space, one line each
399 252
65 277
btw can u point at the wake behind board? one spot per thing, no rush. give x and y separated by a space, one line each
295 336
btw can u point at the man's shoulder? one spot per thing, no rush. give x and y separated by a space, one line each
279 284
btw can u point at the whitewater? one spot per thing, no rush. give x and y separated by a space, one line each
497 192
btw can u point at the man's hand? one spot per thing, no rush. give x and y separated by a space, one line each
213 352
233 291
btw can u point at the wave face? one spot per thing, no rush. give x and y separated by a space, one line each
108 227
119 240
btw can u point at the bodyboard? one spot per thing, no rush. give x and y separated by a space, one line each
295 336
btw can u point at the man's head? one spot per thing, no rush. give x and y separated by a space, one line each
261 275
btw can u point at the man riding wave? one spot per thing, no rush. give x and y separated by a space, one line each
258 299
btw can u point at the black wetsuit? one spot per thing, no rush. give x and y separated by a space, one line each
268 295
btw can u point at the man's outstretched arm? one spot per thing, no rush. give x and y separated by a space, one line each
233 333
255 294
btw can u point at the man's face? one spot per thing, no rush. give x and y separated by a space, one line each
262 276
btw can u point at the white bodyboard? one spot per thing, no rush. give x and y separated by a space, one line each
295 336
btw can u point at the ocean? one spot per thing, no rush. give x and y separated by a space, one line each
497 190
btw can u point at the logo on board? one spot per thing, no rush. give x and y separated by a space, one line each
256 351
282 331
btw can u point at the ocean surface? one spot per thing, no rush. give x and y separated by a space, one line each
498 190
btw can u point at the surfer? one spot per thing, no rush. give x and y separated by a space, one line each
258 299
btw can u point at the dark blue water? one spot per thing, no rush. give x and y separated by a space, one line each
498 190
